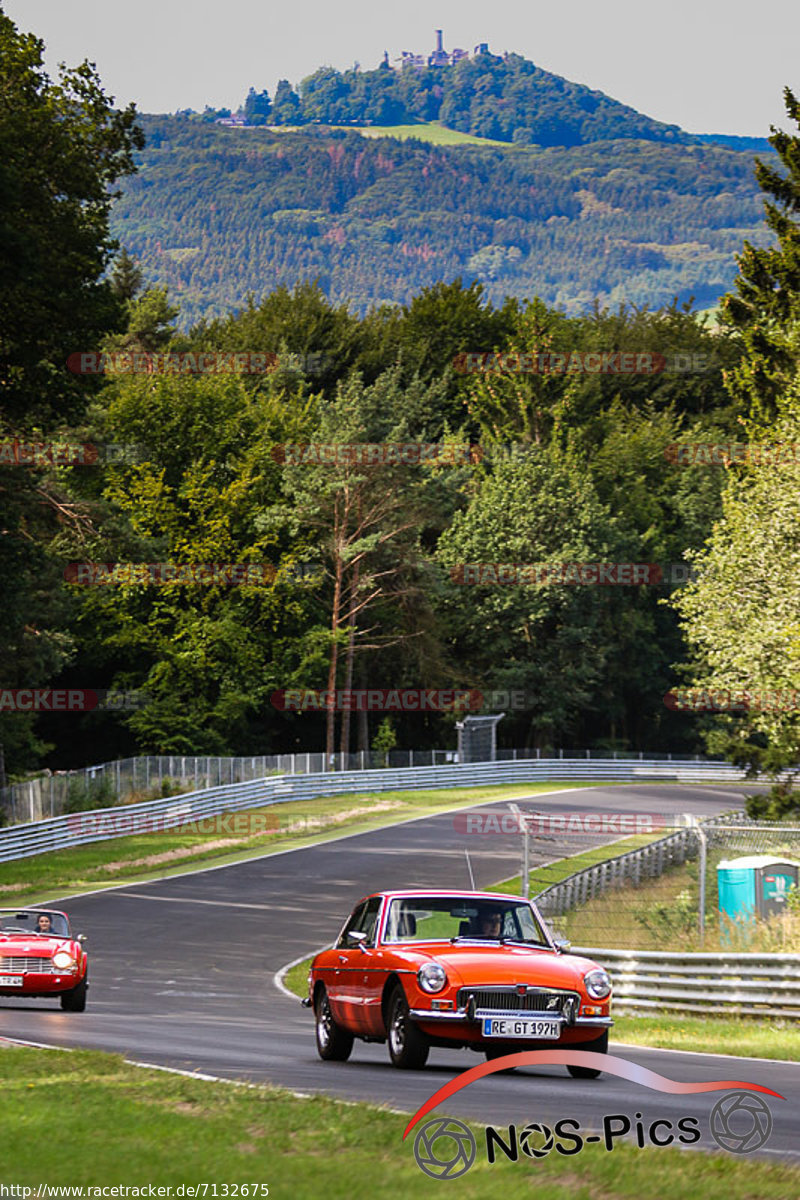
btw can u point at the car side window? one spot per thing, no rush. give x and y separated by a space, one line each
353 923
370 919
365 920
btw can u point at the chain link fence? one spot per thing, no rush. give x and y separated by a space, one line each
663 894
150 776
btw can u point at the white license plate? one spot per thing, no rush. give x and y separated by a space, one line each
11 980
520 1027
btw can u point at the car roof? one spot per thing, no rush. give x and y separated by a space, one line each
422 893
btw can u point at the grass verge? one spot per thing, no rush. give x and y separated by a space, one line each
145 856
91 1119
743 1038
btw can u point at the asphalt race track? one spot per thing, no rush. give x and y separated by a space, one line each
181 974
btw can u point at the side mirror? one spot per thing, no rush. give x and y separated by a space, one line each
563 945
357 937
81 937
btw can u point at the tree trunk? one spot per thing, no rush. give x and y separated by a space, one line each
330 716
344 744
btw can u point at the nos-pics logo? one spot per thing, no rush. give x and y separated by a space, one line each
740 1122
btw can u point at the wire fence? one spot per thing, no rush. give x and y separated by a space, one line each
147 777
666 894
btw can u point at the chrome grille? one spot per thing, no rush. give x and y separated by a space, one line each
23 962
506 999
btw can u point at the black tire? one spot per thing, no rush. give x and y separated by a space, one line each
75 999
493 1052
408 1048
333 1043
598 1046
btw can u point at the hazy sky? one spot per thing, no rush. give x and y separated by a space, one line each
711 66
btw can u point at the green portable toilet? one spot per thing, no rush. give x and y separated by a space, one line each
756 885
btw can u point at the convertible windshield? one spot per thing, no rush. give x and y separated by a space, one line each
33 922
452 918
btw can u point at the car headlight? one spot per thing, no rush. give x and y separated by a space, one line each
432 977
64 960
597 983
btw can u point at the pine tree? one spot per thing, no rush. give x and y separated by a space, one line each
767 307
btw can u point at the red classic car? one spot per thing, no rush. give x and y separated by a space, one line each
39 957
477 969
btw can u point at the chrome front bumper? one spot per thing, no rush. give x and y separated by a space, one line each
425 1014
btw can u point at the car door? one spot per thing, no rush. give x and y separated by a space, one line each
357 964
369 972
338 975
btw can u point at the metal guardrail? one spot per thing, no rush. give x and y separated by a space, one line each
647 862
59 833
728 984
48 794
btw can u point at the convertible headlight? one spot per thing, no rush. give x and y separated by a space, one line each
64 960
432 977
597 983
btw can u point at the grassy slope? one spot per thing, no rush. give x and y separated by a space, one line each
430 131
86 1118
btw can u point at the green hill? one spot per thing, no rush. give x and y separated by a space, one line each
505 98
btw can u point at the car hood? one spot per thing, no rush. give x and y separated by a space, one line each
39 947
473 966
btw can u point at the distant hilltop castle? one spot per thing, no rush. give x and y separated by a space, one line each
437 58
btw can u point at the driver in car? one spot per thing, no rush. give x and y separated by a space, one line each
44 923
489 924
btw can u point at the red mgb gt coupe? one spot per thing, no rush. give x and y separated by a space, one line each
39 957
476 969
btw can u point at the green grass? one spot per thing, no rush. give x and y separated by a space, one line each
91 1119
431 131
158 855
744 1038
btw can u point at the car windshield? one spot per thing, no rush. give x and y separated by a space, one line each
454 918
33 922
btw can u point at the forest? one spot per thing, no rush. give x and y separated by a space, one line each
249 568
216 214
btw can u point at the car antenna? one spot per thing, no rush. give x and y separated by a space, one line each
469 868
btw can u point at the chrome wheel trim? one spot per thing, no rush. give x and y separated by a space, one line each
324 1022
397 1032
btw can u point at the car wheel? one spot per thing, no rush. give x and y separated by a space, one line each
75 999
333 1043
598 1046
493 1052
408 1048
